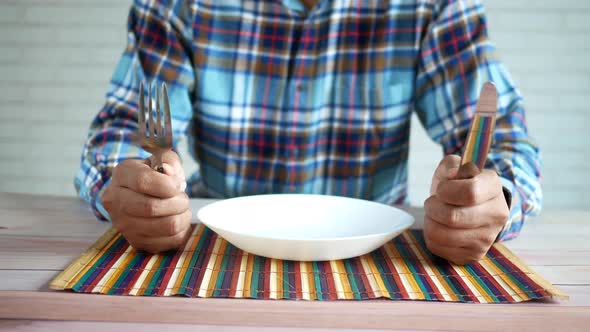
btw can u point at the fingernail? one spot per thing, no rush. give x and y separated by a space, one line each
183 186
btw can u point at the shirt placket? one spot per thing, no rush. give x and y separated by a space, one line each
297 103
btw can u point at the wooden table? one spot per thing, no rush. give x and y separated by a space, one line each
40 235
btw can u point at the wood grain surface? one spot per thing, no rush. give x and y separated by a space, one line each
41 235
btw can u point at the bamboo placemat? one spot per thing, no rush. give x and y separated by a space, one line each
209 266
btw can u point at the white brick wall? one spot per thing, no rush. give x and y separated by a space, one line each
546 46
56 57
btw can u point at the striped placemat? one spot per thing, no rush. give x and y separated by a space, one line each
209 266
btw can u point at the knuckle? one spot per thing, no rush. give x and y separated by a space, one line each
484 240
185 198
108 200
142 181
477 253
471 193
176 241
455 216
489 240
503 215
150 207
481 254
173 226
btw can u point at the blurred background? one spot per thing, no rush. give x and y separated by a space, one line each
56 58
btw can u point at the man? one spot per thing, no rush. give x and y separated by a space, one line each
311 97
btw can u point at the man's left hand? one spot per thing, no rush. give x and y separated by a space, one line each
465 212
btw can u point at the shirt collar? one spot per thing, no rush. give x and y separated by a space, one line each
296 6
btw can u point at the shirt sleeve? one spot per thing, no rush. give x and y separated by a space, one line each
158 50
456 59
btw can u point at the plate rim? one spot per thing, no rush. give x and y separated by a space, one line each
405 225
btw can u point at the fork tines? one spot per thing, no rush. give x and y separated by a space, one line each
156 133
158 139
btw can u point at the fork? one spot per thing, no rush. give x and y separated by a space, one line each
157 140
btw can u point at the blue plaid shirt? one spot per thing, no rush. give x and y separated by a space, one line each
275 98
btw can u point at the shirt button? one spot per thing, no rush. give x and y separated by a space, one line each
300 87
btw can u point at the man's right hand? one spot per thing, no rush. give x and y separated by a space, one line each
149 208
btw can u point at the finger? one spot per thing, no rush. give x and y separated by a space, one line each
173 160
449 237
162 226
172 166
467 171
446 167
477 240
178 176
141 205
460 217
458 256
468 192
139 177
137 227
161 244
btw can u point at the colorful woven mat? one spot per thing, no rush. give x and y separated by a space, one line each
209 266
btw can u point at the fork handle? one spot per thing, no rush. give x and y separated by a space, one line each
158 163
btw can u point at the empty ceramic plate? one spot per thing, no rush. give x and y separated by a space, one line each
304 227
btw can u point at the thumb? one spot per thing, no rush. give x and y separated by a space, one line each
179 176
445 170
173 167
467 171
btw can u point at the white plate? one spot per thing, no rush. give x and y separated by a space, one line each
304 227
